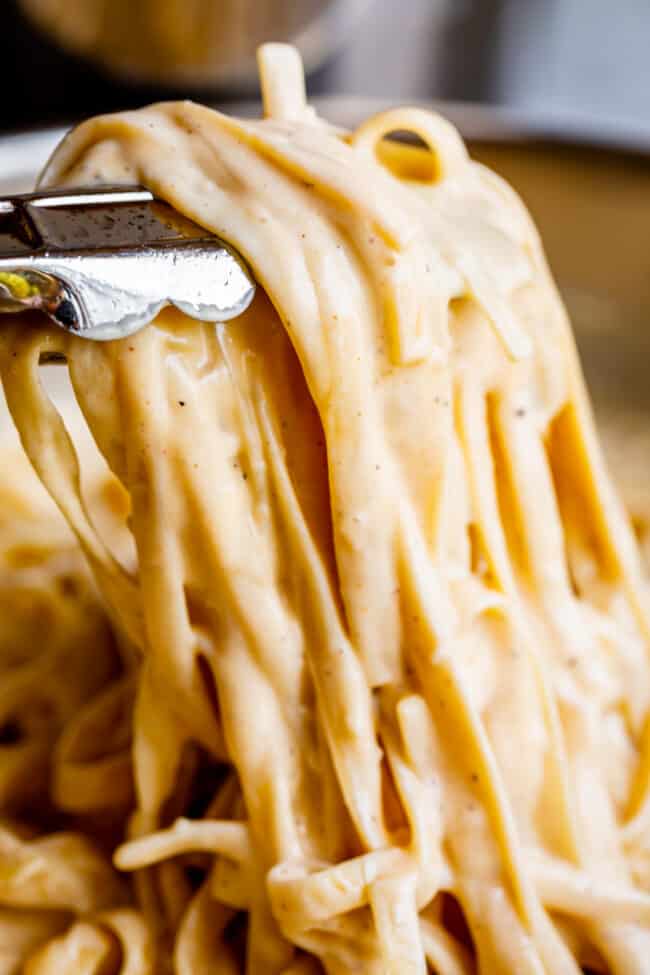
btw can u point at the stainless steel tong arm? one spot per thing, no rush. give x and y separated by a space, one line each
101 262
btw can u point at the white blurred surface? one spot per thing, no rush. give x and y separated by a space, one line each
22 157
575 55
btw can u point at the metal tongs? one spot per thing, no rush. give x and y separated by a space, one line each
101 262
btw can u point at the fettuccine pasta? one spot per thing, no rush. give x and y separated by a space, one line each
357 679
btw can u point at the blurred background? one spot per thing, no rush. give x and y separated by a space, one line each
62 59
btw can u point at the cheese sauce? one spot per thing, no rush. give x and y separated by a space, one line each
380 678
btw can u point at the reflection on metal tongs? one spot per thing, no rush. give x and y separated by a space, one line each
101 262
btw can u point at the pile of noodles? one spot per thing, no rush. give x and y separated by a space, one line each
361 681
